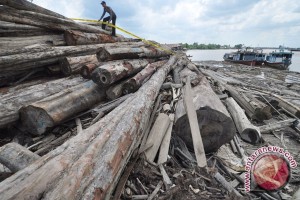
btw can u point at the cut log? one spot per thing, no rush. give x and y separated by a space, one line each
247 131
113 71
194 126
74 38
156 135
44 21
54 52
31 49
135 82
281 124
73 65
216 126
55 109
26 5
116 90
16 97
16 157
89 165
19 42
106 54
295 110
87 70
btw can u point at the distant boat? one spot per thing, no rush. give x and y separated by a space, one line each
243 56
281 59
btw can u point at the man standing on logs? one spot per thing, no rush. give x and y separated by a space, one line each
112 17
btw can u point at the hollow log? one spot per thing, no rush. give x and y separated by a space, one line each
26 5
19 42
113 71
44 21
87 70
55 109
80 38
16 97
216 126
106 53
135 82
247 131
73 65
89 165
16 157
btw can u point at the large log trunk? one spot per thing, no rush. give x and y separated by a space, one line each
73 65
247 131
106 53
87 70
81 38
15 98
27 49
82 168
216 126
135 82
26 5
113 71
16 157
55 109
19 42
44 21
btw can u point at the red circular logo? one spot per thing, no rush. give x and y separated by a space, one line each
271 171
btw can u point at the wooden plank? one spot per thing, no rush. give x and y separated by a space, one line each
192 116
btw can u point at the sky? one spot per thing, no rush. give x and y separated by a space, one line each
263 23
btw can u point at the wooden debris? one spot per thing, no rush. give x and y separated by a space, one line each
16 157
281 124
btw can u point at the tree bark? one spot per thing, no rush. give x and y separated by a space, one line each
73 65
248 132
48 112
87 70
113 71
80 38
106 54
26 5
16 157
216 126
135 82
89 165
44 21
15 98
19 42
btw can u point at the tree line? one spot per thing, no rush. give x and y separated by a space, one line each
195 45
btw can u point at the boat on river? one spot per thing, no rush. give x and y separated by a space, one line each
281 59
243 56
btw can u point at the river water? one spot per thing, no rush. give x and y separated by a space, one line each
217 55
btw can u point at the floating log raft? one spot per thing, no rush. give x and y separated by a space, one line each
135 82
14 99
113 71
48 112
44 21
82 168
248 132
216 126
106 53
73 65
74 38
16 157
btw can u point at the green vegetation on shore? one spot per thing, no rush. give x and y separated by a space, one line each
195 45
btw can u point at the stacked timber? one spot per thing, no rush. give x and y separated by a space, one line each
77 134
